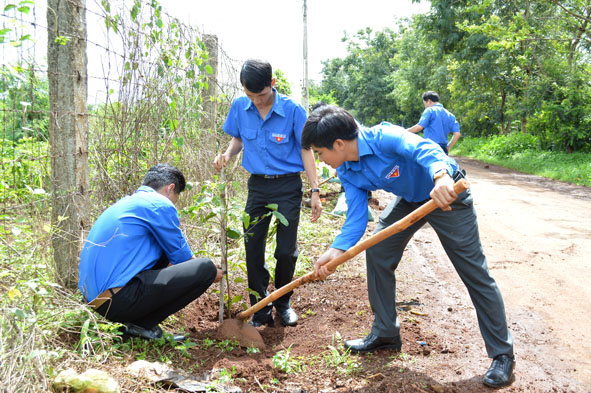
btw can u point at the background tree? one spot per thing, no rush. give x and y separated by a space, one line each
500 67
359 82
282 84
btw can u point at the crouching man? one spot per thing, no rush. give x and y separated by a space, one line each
136 266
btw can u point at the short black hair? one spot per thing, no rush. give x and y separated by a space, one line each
161 175
430 95
255 75
327 124
317 105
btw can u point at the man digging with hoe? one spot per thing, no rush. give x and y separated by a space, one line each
388 157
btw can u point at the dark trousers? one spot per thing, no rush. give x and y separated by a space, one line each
154 294
458 232
444 147
286 192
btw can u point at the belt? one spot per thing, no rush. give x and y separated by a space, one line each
103 297
278 176
460 174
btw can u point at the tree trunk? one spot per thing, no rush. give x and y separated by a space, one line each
68 134
504 127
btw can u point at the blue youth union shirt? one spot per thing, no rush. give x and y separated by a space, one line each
437 123
390 159
272 146
128 238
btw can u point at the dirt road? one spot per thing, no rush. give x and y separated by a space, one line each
537 237
537 234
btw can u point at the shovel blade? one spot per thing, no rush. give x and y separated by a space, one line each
245 334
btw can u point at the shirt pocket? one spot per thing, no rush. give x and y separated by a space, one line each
248 133
279 138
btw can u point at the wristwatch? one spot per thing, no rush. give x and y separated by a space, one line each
315 190
439 174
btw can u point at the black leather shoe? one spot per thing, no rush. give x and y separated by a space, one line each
257 321
138 331
288 317
373 342
179 338
500 372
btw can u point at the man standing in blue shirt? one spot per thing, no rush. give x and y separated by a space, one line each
268 126
386 157
437 122
136 266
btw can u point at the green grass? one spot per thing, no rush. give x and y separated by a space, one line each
573 168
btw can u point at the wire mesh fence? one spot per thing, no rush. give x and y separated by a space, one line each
149 96
158 91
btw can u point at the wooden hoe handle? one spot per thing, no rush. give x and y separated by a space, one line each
399 226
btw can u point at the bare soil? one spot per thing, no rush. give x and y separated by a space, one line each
536 234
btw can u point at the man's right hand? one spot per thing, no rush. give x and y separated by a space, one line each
220 161
320 268
219 274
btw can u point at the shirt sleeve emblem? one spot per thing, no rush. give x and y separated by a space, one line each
393 173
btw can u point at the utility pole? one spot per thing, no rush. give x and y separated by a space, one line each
305 97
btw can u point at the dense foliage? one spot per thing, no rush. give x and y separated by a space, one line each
500 67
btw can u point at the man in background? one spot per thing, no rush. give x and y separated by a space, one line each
437 122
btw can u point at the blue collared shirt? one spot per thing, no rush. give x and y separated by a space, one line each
437 122
391 159
128 238
271 146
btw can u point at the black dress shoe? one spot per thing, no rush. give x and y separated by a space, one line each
138 331
258 321
179 338
500 372
373 342
288 317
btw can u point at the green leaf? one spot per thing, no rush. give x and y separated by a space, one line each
135 10
9 7
233 234
281 218
272 206
236 299
246 220
20 313
209 69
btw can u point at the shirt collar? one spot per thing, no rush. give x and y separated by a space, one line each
145 189
278 105
363 149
